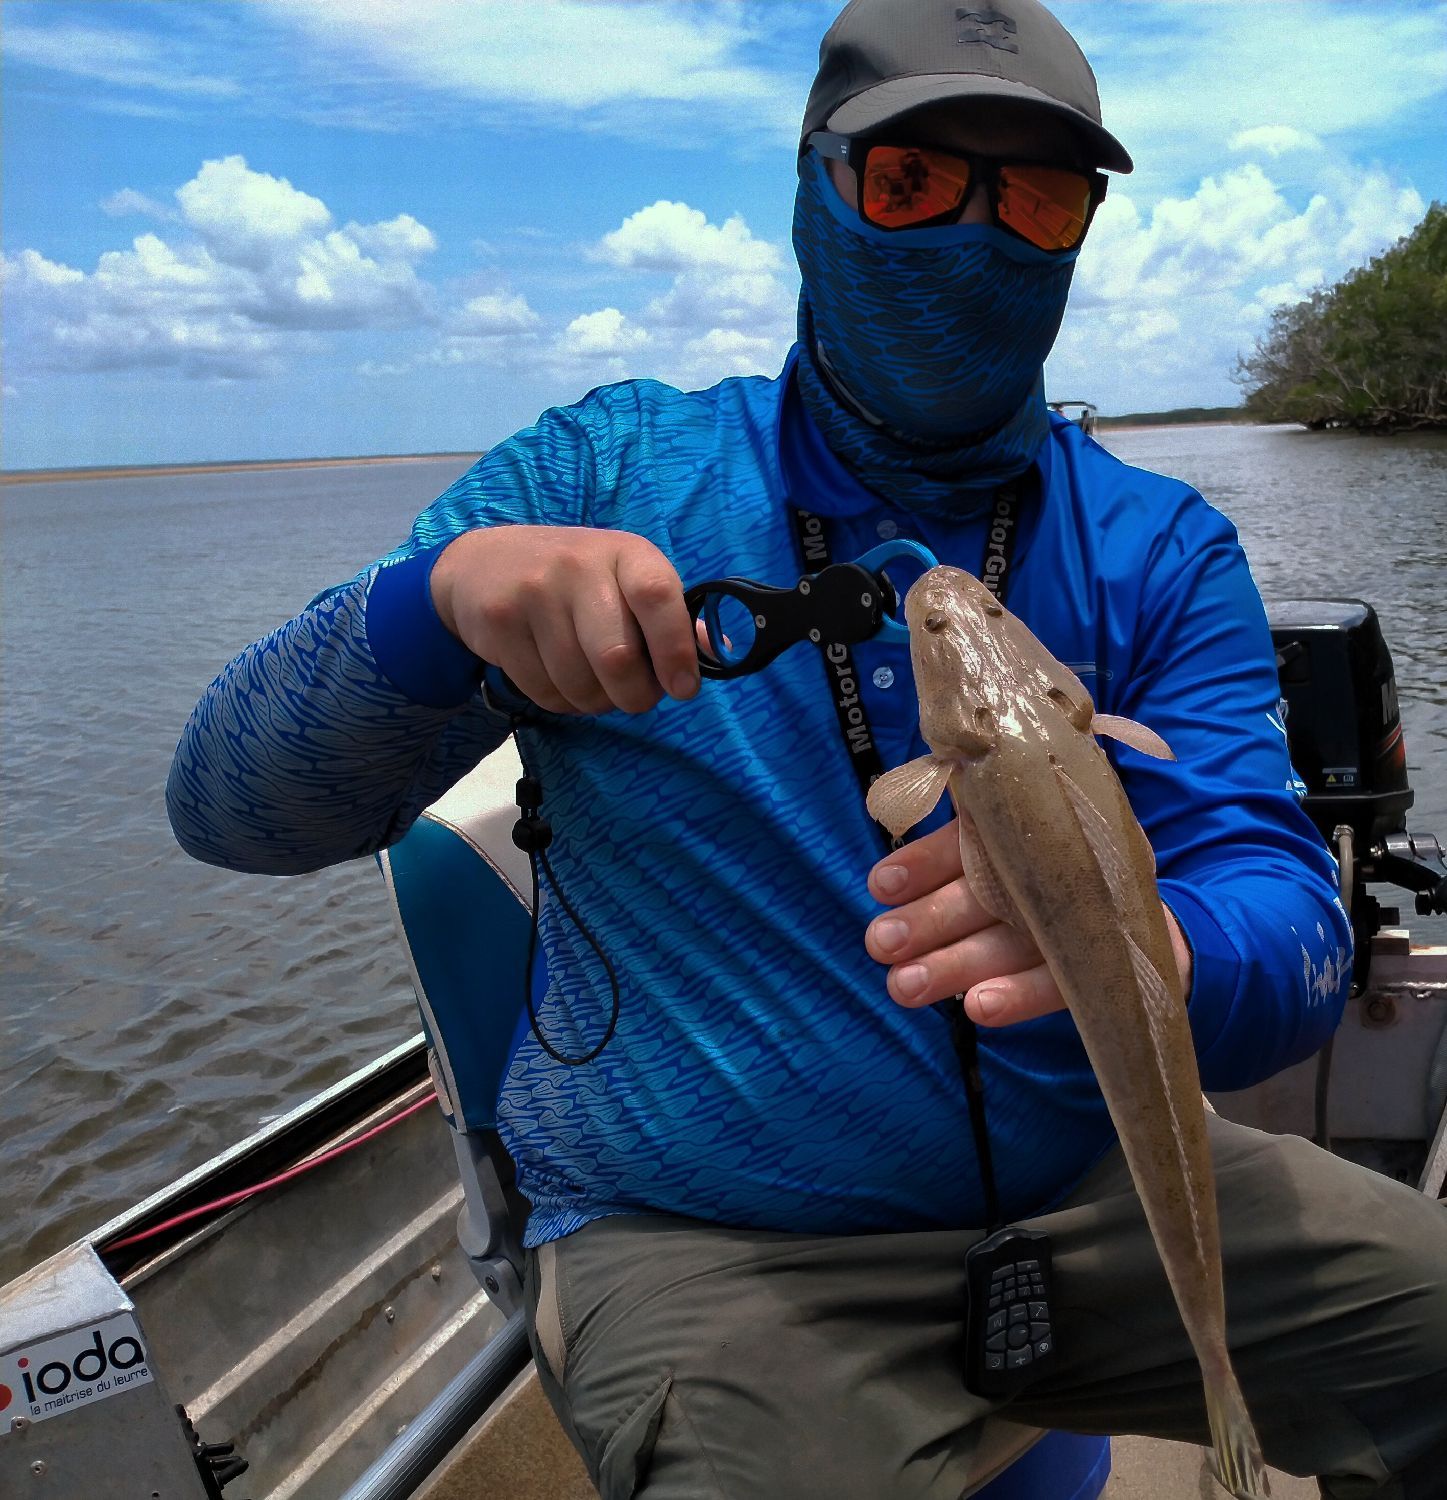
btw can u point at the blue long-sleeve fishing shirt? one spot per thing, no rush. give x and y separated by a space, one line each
718 848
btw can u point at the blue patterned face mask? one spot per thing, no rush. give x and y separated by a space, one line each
921 350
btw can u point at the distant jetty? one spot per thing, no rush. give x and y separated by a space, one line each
227 466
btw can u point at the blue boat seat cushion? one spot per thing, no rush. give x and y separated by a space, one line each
461 893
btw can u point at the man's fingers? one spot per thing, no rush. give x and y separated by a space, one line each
613 643
977 961
525 670
582 621
566 663
919 867
939 940
1015 997
652 591
934 921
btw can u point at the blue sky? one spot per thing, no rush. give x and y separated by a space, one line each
289 228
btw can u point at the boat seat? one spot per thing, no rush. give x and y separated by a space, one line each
460 891
461 894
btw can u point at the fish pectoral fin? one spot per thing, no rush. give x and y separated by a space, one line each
984 879
901 797
1128 732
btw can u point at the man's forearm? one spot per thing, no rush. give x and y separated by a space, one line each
1271 964
303 753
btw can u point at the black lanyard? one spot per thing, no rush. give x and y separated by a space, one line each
854 725
864 756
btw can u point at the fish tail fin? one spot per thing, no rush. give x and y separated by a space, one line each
1239 1464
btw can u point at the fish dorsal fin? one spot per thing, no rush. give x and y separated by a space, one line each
1101 838
1128 732
901 797
984 879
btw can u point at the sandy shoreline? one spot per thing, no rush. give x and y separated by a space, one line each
140 471
240 465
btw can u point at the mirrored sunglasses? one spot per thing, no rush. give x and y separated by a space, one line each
916 187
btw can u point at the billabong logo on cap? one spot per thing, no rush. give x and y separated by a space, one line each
992 27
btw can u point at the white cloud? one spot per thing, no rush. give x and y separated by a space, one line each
402 238
257 271
1378 211
492 314
1233 232
1164 302
375 369
726 310
606 333
723 276
674 237
1274 140
127 202
128 59
1296 288
134 109
249 217
1153 323
30 268
1177 80
576 58
727 351
698 298
1168 72
491 328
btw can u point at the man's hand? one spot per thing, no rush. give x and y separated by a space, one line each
939 941
582 621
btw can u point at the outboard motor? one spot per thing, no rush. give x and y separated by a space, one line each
1344 730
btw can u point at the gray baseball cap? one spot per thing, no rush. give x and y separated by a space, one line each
882 58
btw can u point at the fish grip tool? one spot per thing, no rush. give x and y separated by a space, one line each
842 604
1009 1322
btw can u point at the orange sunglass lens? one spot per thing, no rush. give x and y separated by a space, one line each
904 185
1045 205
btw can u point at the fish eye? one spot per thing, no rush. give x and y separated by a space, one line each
994 607
935 623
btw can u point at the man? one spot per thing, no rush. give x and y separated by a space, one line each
750 1161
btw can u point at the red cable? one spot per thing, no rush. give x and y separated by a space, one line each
271 1182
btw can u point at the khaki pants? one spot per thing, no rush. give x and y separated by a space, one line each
688 1360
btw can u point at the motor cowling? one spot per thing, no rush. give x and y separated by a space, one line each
1343 723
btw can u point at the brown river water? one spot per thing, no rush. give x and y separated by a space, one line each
154 1010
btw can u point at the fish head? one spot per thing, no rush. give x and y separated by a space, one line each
960 673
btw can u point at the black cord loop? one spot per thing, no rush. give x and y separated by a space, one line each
533 834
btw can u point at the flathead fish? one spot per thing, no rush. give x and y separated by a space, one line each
1050 845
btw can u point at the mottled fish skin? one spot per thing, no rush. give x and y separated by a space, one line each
1050 844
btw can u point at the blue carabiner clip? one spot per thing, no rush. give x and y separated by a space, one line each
877 559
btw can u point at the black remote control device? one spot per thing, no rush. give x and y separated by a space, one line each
1009 1325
